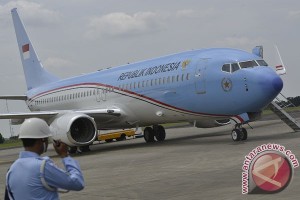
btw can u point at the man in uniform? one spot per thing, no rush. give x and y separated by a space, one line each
35 177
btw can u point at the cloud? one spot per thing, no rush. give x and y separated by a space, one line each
119 24
122 24
294 14
186 13
238 41
57 64
34 13
190 13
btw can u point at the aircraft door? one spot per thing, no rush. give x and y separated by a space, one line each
200 84
98 94
101 94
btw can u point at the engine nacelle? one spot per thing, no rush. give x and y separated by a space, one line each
74 129
16 121
211 123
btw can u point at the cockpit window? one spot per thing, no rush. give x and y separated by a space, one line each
226 68
234 67
262 63
248 64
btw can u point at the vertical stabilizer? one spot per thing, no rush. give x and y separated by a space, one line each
35 74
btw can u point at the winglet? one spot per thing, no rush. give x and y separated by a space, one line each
35 74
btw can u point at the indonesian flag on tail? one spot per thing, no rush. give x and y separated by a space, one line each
25 50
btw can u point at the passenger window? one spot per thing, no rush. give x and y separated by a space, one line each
187 76
234 67
226 68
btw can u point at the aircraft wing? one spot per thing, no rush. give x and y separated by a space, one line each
49 114
14 97
100 112
43 115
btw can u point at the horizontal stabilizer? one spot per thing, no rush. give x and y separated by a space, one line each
14 97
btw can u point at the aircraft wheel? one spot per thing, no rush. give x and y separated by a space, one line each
121 138
160 133
245 134
236 135
72 150
149 135
85 148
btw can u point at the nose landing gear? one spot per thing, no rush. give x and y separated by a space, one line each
239 133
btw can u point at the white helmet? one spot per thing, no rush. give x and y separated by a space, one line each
34 128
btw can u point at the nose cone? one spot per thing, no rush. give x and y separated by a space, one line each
277 84
270 83
263 86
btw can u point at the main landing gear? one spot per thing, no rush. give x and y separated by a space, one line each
157 132
239 133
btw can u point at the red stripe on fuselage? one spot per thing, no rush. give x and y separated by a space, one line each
132 93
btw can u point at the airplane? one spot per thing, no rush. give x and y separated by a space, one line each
206 87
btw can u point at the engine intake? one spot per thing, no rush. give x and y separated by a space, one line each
74 129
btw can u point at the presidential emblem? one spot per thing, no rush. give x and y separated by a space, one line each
185 64
226 84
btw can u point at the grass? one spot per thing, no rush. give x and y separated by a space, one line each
289 109
10 144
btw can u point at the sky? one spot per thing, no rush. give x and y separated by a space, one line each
74 37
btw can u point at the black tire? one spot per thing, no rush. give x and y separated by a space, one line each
245 134
72 150
85 148
149 135
160 133
121 138
236 135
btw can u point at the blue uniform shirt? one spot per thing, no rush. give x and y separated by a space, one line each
24 177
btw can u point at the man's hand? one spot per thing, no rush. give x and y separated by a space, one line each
61 149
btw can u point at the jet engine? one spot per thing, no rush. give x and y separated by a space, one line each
74 129
211 123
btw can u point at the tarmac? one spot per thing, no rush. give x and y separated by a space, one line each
190 164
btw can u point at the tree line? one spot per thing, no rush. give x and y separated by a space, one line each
291 102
